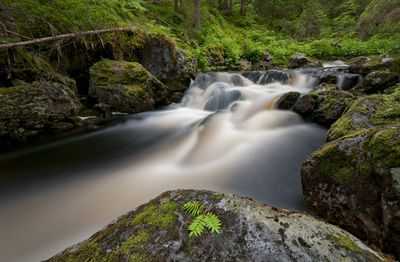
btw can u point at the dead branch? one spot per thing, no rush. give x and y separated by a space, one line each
64 36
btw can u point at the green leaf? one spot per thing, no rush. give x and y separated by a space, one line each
197 226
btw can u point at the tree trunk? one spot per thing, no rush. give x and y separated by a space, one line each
242 7
176 6
65 36
273 12
181 3
196 13
230 6
225 5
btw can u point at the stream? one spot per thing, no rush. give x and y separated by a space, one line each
225 135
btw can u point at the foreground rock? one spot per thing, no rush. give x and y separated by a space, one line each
28 109
354 182
251 231
125 86
364 65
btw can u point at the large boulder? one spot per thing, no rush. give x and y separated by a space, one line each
171 65
354 182
27 109
250 231
364 65
378 81
367 112
324 104
125 86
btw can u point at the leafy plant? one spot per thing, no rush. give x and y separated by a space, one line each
202 220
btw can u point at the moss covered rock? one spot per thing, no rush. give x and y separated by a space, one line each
251 231
364 65
324 104
28 109
171 65
367 112
354 182
378 81
125 86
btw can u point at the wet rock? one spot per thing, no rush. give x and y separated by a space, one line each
126 87
103 110
299 60
354 182
250 231
364 65
287 101
265 63
367 112
347 81
34 107
378 81
324 104
244 65
169 64
272 76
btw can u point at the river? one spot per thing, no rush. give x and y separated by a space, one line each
225 135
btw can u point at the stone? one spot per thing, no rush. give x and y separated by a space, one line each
347 81
34 107
287 101
127 87
169 64
378 81
363 65
367 112
250 231
298 60
353 183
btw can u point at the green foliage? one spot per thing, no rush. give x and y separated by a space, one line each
202 220
193 209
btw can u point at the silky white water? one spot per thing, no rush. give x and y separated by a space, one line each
225 135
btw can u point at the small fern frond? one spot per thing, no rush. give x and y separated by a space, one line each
194 208
197 226
213 223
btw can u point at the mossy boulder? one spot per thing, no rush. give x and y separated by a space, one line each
125 86
28 109
287 101
364 65
368 112
378 81
251 231
298 60
324 104
354 182
161 57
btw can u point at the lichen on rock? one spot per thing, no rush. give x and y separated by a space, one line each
251 231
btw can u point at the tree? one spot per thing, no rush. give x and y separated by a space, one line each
176 6
242 7
196 13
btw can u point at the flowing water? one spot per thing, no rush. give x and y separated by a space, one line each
225 135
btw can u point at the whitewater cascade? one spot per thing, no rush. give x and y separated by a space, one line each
225 135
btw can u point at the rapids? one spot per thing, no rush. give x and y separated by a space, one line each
225 135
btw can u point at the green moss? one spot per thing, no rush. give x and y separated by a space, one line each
138 257
135 241
161 216
348 243
385 146
396 65
334 163
388 110
218 196
7 90
341 128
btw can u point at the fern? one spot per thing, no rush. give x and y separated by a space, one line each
193 209
202 221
